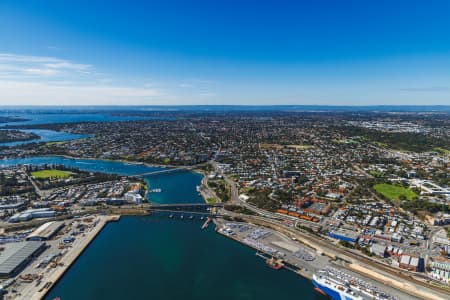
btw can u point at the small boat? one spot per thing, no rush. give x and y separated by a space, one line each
206 224
191 217
171 216
181 217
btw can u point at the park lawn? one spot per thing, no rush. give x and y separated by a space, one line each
46 174
393 192
212 200
442 150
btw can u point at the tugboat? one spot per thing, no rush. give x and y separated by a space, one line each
275 264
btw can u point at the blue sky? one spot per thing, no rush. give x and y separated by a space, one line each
358 52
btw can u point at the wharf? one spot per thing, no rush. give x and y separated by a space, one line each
35 292
305 270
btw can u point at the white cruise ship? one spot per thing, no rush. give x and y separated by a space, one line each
342 286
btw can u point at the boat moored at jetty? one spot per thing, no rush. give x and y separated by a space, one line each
275 264
342 286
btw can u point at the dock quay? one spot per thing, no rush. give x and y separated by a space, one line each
206 224
49 274
268 243
383 273
296 255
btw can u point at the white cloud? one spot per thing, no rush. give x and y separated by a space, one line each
68 65
27 65
9 57
36 93
42 80
42 72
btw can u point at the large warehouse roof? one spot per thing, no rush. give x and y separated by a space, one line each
15 254
45 231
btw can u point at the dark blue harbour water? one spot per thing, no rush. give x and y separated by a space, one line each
157 257
38 118
47 136
160 258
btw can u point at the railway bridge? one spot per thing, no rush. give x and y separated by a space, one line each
188 208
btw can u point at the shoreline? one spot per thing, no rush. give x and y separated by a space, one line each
298 272
404 288
79 249
71 257
133 162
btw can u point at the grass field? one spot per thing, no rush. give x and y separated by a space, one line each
212 200
442 150
46 174
393 192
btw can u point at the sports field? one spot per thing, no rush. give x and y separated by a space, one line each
393 192
46 174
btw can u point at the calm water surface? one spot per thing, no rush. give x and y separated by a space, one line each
157 257
160 258
47 136
54 118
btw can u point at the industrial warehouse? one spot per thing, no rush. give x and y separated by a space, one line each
45 231
16 256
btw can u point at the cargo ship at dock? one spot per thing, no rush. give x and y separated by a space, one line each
342 286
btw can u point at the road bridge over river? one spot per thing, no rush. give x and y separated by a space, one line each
169 170
196 208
